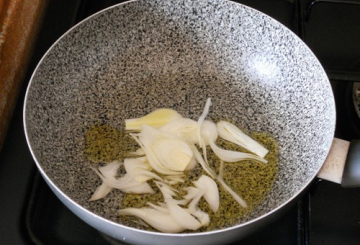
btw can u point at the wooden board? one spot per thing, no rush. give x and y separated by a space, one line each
19 25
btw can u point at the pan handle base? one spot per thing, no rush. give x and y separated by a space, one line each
351 174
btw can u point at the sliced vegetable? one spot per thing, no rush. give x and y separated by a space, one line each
211 192
142 188
230 132
201 120
168 149
234 156
204 164
194 194
173 154
139 170
108 171
167 191
209 132
174 179
161 221
184 128
232 193
181 216
145 144
125 183
156 119
138 152
100 192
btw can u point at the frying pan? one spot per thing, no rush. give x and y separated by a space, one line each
132 58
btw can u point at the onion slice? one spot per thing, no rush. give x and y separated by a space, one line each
230 132
211 191
154 162
125 183
233 193
108 171
181 216
234 156
156 119
139 170
204 164
184 128
158 219
100 192
201 120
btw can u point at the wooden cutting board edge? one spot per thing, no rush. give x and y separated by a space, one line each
19 25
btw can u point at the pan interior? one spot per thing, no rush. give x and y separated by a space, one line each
142 55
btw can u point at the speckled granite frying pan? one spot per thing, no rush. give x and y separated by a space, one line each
135 57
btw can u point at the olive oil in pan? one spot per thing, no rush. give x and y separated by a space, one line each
251 180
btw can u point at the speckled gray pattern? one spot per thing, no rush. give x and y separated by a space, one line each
149 54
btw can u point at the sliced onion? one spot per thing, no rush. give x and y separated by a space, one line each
209 132
202 216
167 144
201 120
167 191
181 216
184 128
161 221
100 192
234 156
108 171
211 191
232 193
156 118
142 188
202 162
161 208
125 183
192 164
230 132
174 179
139 170
173 154
138 152
154 162
194 194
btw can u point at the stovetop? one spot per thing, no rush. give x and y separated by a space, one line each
327 214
